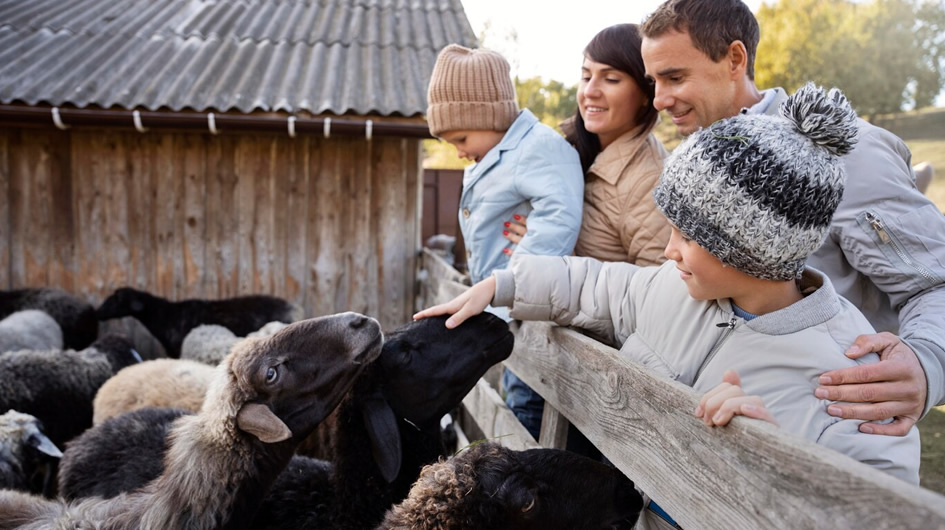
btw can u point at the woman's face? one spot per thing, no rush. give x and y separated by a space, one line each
609 100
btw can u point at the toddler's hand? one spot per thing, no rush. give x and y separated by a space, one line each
470 303
719 405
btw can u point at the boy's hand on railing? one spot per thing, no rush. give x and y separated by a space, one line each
472 302
719 405
895 387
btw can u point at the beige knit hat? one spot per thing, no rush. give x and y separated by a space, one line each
470 90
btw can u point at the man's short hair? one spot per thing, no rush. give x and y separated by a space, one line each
712 25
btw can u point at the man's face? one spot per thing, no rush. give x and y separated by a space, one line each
695 90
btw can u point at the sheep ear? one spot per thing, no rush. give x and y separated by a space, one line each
258 420
385 436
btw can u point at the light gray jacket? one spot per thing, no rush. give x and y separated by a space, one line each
885 250
779 356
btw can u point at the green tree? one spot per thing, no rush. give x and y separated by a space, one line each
552 102
884 54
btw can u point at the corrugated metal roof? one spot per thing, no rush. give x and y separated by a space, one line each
327 56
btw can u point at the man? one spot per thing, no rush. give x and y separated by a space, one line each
885 250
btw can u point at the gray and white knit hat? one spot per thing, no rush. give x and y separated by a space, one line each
758 191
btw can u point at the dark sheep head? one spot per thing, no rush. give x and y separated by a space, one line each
118 349
429 368
424 371
493 487
293 379
125 301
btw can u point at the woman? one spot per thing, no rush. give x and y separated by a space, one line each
622 161
621 158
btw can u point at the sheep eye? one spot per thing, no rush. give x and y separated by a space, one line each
271 374
529 506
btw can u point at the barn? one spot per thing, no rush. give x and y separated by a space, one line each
214 148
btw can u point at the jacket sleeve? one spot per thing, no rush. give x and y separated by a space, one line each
898 456
895 236
569 291
550 177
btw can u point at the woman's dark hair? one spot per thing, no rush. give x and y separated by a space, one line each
617 46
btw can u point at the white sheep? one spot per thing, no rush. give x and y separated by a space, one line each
268 394
178 383
209 343
29 329
75 316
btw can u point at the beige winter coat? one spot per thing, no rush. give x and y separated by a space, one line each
621 221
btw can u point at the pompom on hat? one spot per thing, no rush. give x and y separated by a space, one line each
758 192
470 90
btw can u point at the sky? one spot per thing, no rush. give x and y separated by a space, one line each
551 35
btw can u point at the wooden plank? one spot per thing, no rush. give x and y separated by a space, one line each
554 428
168 217
360 235
194 241
264 212
88 179
413 211
222 216
115 230
390 201
280 163
494 419
328 259
139 213
295 186
644 425
247 173
6 232
61 267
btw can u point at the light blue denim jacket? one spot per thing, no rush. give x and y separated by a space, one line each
533 172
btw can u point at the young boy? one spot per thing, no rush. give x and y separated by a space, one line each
522 168
735 313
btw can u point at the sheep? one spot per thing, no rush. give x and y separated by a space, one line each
76 317
209 343
489 486
58 386
266 396
25 453
29 329
169 321
423 371
156 383
170 382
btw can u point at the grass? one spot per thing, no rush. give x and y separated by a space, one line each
932 432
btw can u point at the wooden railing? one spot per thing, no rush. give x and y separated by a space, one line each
749 474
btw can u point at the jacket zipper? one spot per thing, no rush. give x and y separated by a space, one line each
718 344
884 236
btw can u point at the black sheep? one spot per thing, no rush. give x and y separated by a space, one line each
169 322
75 316
266 396
490 487
424 370
58 386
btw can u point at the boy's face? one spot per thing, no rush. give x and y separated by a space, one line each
692 88
705 276
473 144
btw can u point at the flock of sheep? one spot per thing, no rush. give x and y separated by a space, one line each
258 418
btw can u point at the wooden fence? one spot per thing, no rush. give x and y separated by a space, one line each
749 474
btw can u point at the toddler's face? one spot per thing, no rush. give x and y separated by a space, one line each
705 276
473 144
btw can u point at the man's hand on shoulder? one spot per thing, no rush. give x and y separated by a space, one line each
895 387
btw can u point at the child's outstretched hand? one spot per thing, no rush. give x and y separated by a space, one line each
472 302
719 405
515 230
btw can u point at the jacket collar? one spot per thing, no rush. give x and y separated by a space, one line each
520 127
820 304
771 100
611 163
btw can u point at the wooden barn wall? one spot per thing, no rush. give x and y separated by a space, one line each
330 224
